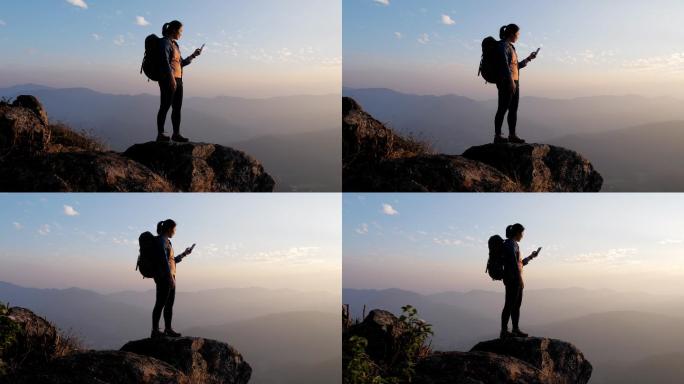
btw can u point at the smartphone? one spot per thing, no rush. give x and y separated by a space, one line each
202 47
538 250
193 247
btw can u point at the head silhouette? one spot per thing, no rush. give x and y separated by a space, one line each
173 30
515 232
510 32
166 228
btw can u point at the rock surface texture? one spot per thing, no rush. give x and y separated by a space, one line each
36 156
376 159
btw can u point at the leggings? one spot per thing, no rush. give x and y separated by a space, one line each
166 294
514 295
170 99
508 102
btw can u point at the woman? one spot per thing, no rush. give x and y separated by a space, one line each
513 280
508 84
171 81
166 279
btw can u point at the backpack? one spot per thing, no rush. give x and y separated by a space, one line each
151 64
491 60
148 260
495 263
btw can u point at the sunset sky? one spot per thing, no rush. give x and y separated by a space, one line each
588 47
243 240
437 242
256 48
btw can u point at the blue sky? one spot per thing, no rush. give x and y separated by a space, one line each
437 242
243 240
255 48
588 47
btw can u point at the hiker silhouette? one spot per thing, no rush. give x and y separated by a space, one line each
165 279
163 63
500 65
513 280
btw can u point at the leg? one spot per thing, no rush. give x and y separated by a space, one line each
177 105
508 305
160 301
515 311
513 111
505 96
166 99
168 308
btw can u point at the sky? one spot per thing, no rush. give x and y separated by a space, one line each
438 242
90 241
255 48
589 47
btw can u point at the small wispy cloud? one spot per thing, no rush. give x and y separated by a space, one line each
670 241
389 210
70 211
140 20
424 38
96 37
611 256
398 35
382 2
44 230
446 242
447 20
18 226
3 23
78 3
296 255
362 229
119 40
672 63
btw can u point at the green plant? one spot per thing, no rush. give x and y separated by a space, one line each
361 369
8 336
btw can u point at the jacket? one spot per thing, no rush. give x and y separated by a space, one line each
506 50
168 47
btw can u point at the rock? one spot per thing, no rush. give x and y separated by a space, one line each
540 167
37 157
558 361
21 131
33 340
381 329
32 103
79 171
199 167
202 360
104 367
475 368
376 159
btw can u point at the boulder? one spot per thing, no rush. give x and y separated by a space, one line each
558 361
381 329
202 360
200 167
32 340
540 167
34 105
104 367
21 131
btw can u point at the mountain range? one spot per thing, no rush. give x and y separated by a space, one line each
617 331
251 319
287 134
600 128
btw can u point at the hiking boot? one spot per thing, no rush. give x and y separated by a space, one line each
171 333
179 139
498 139
515 140
519 333
156 334
162 138
504 334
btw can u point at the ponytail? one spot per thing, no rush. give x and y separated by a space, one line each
170 27
164 226
164 28
507 31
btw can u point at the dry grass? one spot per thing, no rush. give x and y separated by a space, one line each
62 135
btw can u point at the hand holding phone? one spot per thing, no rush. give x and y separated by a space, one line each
535 53
536 253
189 249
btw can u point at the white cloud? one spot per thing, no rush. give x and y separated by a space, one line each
119 41
18 226
44 230
140 20
70 211
673 62
670 241
447 20
398 35
297 255
96 37
78 3
389 210
383 2
362 229
2 23
424 38
611 256
447 242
